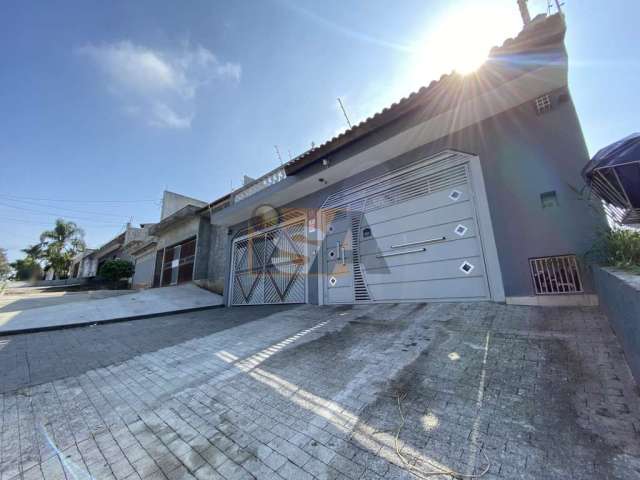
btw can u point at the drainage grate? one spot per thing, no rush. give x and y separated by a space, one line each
555 275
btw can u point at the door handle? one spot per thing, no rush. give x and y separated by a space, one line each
340 248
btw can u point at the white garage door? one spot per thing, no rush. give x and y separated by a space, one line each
410 235
269 266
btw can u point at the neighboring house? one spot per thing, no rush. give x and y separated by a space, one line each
168 254
466 190
109 251
119 247
83 264
143 254
49 274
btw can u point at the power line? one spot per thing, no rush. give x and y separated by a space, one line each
67 209
49 224
40 212
77 201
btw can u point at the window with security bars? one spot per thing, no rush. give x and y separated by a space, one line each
543 104
556 275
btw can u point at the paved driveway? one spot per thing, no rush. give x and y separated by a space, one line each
311 392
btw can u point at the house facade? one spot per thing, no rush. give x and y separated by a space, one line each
468 189
167 256
84 264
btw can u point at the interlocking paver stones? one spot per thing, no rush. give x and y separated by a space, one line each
312 392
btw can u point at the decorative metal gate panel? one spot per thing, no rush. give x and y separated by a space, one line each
269 267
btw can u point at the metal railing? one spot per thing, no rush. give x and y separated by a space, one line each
259 184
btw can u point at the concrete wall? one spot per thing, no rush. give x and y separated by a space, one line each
179 232
217 271
172 202
145 265
619 294
523 155
210 256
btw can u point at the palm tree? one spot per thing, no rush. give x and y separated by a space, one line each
34 252
61 244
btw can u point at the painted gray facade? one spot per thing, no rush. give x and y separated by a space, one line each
523 154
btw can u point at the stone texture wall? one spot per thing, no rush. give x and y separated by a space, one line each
216 271
619 294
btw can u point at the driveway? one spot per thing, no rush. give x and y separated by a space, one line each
102 308
366 392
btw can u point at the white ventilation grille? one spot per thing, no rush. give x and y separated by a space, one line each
556 275
543 104
387 192
402 184
360 286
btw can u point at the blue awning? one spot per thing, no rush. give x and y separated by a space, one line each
614 173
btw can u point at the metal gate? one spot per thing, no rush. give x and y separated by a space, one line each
177 263
269 266
409 235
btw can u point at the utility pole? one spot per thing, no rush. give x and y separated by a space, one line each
524 12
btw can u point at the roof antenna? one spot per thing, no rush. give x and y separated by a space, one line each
278 153
344 112
524 12
290 157
559 6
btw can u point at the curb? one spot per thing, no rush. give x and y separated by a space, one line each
106 322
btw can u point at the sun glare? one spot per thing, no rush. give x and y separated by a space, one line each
461 39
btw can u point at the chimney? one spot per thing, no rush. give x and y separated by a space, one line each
524 12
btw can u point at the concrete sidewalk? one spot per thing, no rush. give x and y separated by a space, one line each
20 300
146 303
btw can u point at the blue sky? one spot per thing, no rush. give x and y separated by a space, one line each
106 104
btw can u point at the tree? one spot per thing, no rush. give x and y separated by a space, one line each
5 268
117 269
61 244
27 269
34 252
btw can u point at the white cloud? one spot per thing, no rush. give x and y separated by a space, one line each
158 86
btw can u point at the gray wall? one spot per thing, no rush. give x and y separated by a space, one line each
212 248
203 248
179 232
620 299
172 202
523 154
145 265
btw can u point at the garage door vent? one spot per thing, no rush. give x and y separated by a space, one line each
556 275
360 286
412 181
417 187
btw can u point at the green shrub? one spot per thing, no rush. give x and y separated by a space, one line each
114 270
618 248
